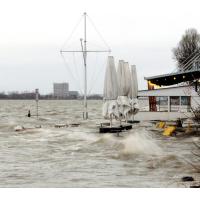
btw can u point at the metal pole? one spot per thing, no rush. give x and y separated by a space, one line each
85 51
169 105
36 99
85 66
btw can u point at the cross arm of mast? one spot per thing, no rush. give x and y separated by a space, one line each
86 51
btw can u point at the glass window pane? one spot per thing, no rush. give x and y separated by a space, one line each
174 104
162 104
175 101
185 101
144 103
163 100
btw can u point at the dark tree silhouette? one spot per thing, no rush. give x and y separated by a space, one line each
188 46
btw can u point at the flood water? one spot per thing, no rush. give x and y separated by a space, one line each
80 156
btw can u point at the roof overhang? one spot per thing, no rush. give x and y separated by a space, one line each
174 78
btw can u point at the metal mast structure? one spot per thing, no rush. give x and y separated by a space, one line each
36 100
84 52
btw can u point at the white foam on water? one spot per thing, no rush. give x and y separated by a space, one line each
107 138
77 134
140 142
137 142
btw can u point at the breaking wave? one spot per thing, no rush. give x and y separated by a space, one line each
135 143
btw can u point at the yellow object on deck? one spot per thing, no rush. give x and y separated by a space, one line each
169 130
160 125
189 128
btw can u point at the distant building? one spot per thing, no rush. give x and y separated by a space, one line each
60 90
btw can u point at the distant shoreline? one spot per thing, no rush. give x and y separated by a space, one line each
78 99
31 96
50 99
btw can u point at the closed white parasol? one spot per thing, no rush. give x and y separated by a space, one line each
110 106
133 93
124 79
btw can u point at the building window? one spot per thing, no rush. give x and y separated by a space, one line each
153 103
174 101
174 104
144 103
185 101
180 104
162 104
185 104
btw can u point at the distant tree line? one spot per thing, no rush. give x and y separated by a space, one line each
17 95
31 96
95 97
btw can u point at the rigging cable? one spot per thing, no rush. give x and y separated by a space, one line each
189 59
74 59
76 69
75 27
99 70
187 65
191 56
93 76
191 87
66 64
97 77
99 33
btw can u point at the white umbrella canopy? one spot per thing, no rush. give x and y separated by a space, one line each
134 83
124 79
110 94
123 75
133 92
110 81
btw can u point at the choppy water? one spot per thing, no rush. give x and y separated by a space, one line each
80 156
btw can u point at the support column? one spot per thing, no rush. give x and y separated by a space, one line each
168 103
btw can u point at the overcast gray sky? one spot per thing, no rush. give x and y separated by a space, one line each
142 32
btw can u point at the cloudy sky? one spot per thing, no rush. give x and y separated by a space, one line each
142 32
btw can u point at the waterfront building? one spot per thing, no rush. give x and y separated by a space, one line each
170 96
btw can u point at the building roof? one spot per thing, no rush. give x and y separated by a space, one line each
169 91
174 78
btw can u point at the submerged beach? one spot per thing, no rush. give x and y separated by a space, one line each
80 156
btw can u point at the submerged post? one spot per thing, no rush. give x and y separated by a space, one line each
36 100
